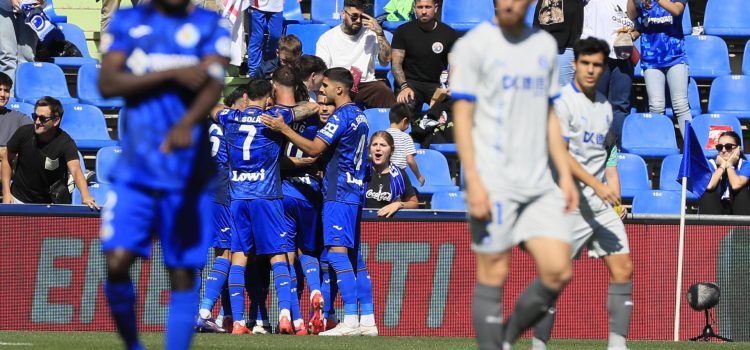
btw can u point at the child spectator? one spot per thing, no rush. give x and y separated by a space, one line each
403 154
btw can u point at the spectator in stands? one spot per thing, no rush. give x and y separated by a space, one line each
39 156
727 192
108 10
697 12
420 55
10 120
663 56
310 69
354 45
403 152
564 20
288 54
17 40
388 188
607 20
265 16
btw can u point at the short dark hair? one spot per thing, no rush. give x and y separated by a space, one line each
358 4
309 64
5 80
434 2
258 88
340 75
285 76
54 105
235 95
399 111
590 46
290 43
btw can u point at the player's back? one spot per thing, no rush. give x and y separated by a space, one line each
221 162
301 176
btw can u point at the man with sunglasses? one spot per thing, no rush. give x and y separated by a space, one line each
38 155
355 44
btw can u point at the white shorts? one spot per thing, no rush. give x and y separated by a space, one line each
514 222
603 233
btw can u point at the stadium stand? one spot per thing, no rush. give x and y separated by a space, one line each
86 125
694 98
448 149
97 190
708 56
649 135
730 94
633 175
729 18
687 27
326 12
656 202
670 167
105 161
49 10
75 35
377 119
379 7
702 125
434 168
37 79
308 34
293 13
746 59
448 200
25 108
462 18
87 88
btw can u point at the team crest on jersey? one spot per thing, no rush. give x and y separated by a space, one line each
187 36
437 47
543 63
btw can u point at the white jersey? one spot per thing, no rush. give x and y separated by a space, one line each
268 5
511 82
584 125
603 19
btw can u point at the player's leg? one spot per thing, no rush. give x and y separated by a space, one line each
294 306
217 277
291 231
308 250
329 289
241 246
257 283
367 325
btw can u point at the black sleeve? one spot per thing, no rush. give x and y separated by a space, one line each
14 144
70 151
398 42
409 192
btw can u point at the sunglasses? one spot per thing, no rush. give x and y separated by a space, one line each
728 146
355 17
42 119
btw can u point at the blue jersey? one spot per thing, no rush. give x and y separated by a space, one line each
152 42
346 135
253 153
301 183
662 39
221 162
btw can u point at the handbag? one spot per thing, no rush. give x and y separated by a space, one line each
59 193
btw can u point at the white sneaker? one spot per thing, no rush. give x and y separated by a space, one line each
258 329
341 329
368 331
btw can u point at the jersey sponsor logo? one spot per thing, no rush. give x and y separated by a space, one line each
538 84
543 63
187 36
249 177
593 138
352 180
329 129
437 47
139 31
139 62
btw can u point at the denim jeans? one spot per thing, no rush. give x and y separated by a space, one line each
565 66
17 43
616 83
677 78
261 21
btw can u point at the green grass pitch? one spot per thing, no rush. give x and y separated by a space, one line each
110 341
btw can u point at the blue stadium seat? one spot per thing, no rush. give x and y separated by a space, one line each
49 10
327 12
378 8
633 175
434 168
746 59
86 125
687 26
670 167
649 135
75 35
88 88
293 13
462 17
707 55
448 149
25 108
105 161
727 18
657 202
529 19
730 94
377 119
97 190
379 67
37 79
702 125
448 200
308 34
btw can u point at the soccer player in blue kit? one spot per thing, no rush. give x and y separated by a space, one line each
343 138
167 59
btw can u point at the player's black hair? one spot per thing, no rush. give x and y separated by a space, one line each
6 81
590 46
399 111
54 105
340 75
258 88
309 64
234 96
358 4
284 76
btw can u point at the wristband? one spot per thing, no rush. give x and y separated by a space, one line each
404 86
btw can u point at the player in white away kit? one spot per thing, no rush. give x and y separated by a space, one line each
504 77
585 117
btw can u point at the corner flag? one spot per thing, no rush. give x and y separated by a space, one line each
694 165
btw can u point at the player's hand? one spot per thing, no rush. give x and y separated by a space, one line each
734 157
622 211
390 209
479 203
372 24
15 5
406 95
571 193
192 77
421 180
275 124
180 136
303 161
90 201
7 199
607 194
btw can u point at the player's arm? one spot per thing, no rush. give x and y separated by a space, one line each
9 163
415 168
406 94
312 147
304 110
674 8
559 154
74 167
384 47
602 191
477 196
286 163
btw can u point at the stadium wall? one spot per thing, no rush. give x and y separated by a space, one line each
422 269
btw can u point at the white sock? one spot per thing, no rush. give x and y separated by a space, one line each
312 294
284 312
538 344
220 320
298 322
205 313
616 341
242 323
367 320
351 321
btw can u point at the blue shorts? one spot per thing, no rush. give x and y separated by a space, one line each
221 228
341 224
258 223
132 215
301 221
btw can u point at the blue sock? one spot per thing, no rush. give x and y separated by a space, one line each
328 288
293 299
346 280
121 299
215 283
226 300
237 292
180 319
364 287
311 268
282 281
198 280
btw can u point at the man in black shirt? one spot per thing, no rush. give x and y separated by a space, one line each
420 54
39 154
10 120
564 20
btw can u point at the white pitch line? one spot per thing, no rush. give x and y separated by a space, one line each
15 344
